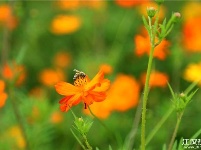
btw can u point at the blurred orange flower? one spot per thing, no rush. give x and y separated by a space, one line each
6 17
142 46
3 95
122 95
65 24
14 72
15 133
187 12
75 4
107 69
82 90
68 4
192 34
157 79
62 59
50 77
96 4
56 117
129 3
192 73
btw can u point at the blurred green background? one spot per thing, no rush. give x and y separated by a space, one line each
41 42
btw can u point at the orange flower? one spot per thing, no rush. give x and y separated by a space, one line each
3 95
122 95
65 24
107 69
157 79
50 77
62 59
187 12
14 72
129 3
82 90
69 4
56 117
96 4
142 44
6 17
192 34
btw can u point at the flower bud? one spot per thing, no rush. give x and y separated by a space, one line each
151 11
176 16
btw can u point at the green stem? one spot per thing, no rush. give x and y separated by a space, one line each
78 140
86 142
157 127
130 140
144 100
146 88
175 130
18 116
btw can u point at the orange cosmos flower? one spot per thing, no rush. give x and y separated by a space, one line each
50 77
187 12
142 46
192 34
14 71
129 3
6 17
82 90
157 79
62 59
65 24
122 95
3 95
56 117
68 4
96 4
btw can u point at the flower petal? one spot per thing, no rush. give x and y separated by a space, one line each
3 97
95 81
69 101
104 86
66 89
98 96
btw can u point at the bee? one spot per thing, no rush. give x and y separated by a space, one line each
80 78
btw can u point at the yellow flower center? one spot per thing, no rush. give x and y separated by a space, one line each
80 78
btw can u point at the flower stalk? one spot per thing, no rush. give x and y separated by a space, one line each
179 116
18 116
152 33
157 32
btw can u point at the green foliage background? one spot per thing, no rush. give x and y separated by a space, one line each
106 36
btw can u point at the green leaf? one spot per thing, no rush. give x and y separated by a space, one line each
110 148
171 90
164 147
189 98
196 134
145 23
175 146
